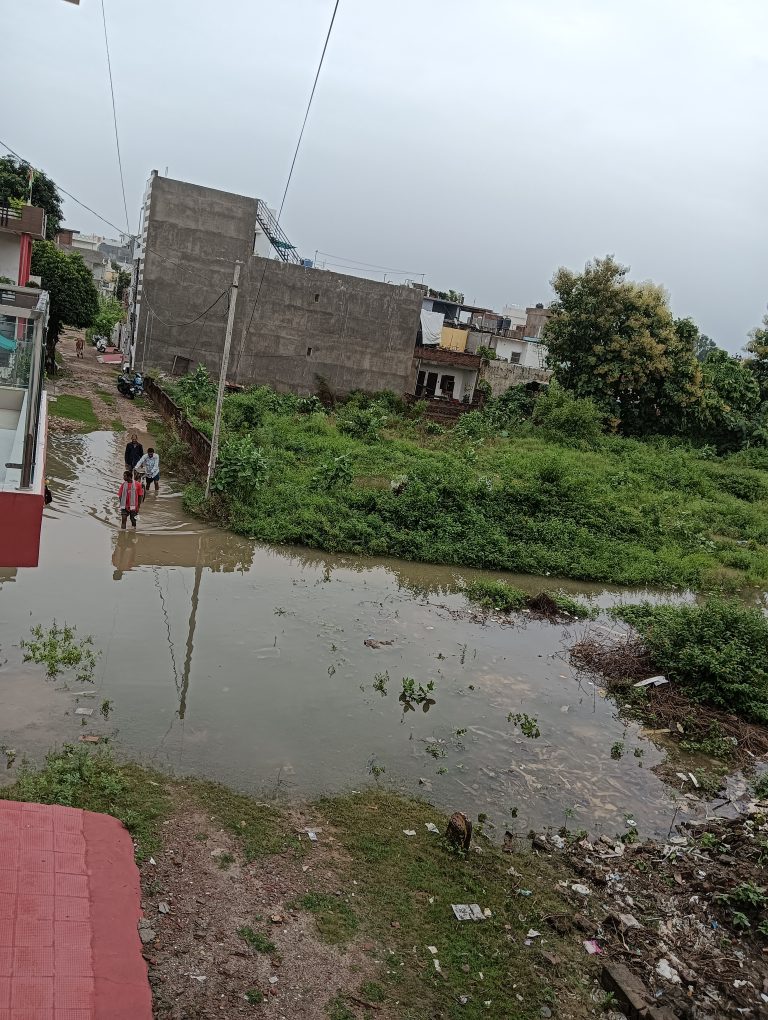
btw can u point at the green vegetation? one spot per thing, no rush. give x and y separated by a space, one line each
78 409
716 652
404 891
527 485
14 189
59 649
255 940
109 398
258 828
109 313
74 300
500 597
78 777
335 919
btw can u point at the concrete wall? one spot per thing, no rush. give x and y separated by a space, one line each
501 375
308 323
9 256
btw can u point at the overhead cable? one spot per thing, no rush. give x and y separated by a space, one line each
114 118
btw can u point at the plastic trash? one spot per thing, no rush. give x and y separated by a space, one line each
652 681
409 832
312 835
582 890
433 950
467 912
431 827
663 969
83 711
592 947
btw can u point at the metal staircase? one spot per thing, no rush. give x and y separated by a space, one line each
275 234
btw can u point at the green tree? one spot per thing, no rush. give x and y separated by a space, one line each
109 313
14 186
729 415
74 300
757 347
615 341
122 283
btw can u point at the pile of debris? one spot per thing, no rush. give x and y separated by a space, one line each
681 925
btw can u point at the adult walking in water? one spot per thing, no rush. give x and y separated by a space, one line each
134 451
149 466
129 497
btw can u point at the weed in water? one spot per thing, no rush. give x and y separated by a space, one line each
527 724
58 649
255 940
412 695
380 682
617 750
106 707
435 750
335 919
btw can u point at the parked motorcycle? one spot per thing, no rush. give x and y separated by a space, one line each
130 388
101 344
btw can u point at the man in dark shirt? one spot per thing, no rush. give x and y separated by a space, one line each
134 451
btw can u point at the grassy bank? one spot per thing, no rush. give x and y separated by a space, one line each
541 495
359 921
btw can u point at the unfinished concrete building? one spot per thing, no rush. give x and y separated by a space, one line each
294 325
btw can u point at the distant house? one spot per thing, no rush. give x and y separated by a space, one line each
445 375
18 229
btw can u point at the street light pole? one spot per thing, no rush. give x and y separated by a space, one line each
222 379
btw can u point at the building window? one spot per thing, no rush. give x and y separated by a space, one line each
447 383
181 366
317 297
309 351
514 357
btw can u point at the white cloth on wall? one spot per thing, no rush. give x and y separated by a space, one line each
431 327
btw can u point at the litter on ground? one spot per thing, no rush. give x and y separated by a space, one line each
467 912
652 681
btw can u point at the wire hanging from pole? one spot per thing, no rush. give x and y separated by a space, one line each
309 105
114 118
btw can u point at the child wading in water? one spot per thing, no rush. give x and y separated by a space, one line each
129 496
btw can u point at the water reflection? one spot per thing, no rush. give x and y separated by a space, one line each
243 661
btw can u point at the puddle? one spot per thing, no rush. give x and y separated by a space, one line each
246 663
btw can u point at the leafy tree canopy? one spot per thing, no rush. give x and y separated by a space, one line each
757 347
14 186
74 300
615 341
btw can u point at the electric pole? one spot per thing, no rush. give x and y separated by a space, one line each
222 379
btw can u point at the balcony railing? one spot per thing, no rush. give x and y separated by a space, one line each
30 219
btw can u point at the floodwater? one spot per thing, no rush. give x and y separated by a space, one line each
247 663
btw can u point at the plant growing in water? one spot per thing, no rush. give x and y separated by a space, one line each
380 682
58 649
412 695
527 724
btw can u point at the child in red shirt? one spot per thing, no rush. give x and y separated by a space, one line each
129 497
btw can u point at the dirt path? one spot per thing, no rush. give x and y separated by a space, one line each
87 377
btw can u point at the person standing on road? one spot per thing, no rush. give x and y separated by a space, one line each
129 497
150 466
134 451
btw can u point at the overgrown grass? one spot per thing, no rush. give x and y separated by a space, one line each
336 920
501 597
510 493
77 776
78 409
716 652
404 888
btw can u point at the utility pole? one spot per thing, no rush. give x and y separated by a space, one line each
222 379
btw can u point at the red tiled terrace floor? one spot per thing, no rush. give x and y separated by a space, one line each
69 906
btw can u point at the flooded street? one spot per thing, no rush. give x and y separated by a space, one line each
248 664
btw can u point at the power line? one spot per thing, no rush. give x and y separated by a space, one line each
64 191
309 104
190 322
290 175
114 118
368 265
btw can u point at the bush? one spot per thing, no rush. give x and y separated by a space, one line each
717 652
363 423
240 468
333 473
496 595
564 418
194 389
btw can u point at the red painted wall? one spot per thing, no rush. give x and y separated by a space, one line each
21 514
25 259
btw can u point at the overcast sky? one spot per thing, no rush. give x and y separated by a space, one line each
482 144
